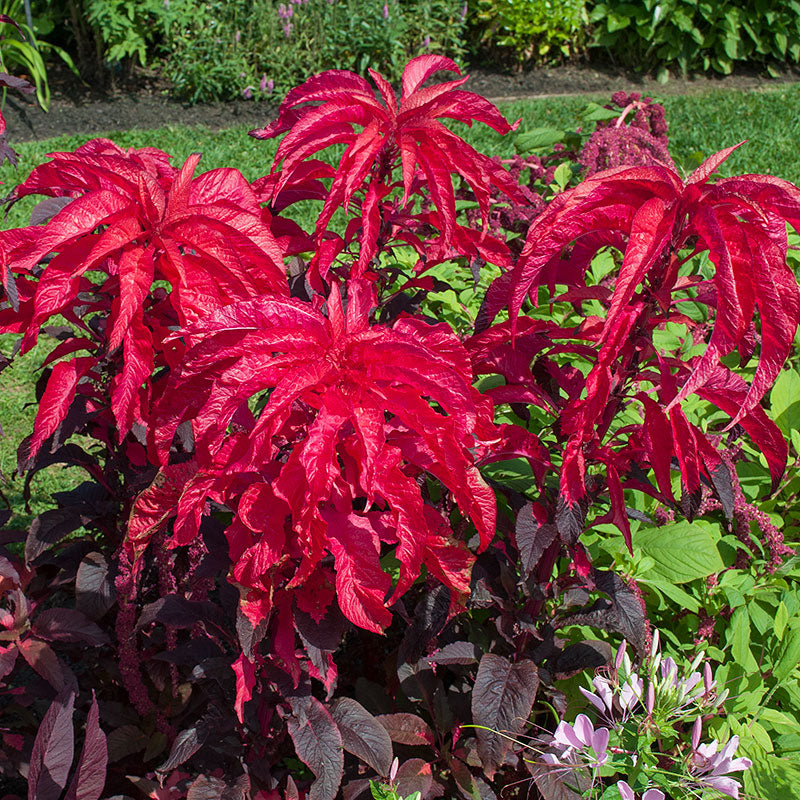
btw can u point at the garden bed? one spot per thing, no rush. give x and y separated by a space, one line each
144 101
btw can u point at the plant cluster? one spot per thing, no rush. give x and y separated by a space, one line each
532 32
692 36
341 533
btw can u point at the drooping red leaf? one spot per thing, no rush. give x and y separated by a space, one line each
245 671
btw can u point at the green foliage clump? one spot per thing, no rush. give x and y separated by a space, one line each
692 35
222 49
128 30
533 31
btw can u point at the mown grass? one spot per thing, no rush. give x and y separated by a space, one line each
699 124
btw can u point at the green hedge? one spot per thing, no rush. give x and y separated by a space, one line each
693 35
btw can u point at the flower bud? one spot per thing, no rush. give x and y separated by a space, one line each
697 730
620 654
655 643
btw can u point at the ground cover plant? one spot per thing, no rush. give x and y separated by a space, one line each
362 500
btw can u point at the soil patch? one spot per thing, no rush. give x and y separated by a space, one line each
144 101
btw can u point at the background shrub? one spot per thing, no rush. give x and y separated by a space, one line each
532 31
697 35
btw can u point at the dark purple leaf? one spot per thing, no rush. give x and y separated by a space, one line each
53 749
363 735
178 612
590 654
325 634
628 611
208 788
318 745
406 728
501 700
48 529
430 616
47 209
569 521
414 775
68 625
46 663
12 81
90 774
8 657
94 592
357 790
186 744
532 538
8 153
621 613
723 486
125 741
557 784
456 653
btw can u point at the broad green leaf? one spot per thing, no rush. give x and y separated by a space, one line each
562 175
739 640
615 22
594 112
790 656
781 618
675 593
537 138
785 401
683 551
771 777
783 723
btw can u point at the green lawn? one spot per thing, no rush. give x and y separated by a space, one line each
698 124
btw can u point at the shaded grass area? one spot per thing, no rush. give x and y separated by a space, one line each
700 124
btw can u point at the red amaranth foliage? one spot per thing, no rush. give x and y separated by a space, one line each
334 525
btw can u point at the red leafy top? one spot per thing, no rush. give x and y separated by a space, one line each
339 107
355 415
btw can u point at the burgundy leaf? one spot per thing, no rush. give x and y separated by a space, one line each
407 729
68 625
318 744
456 653
94 593
363 735
46 663
502 699
90 774
414 775
185 745
53 750
532 538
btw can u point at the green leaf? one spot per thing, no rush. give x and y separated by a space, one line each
537 138
615 22
683 551
594 112
381 792
562 175
739 640
781 618
771 776
790 656
784 401
675 593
